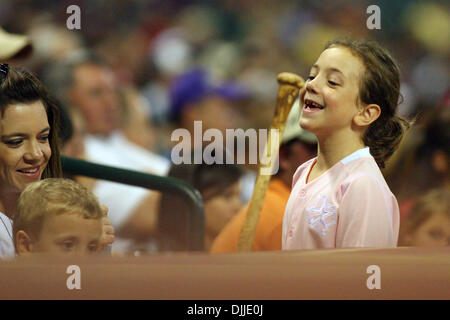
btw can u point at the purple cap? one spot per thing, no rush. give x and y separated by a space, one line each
195 85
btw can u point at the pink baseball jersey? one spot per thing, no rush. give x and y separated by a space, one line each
350 205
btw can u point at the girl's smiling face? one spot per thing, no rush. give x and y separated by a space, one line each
24 145
330 99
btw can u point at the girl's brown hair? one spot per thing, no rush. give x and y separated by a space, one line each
380 84
20 86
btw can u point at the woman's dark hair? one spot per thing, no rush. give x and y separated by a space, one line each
380 84
210 179
66 128
20 86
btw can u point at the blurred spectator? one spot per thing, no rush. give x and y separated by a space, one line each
297 147
429 23
88 86
52 42
195 96
14 47
428 224
136 121
425 153
219 187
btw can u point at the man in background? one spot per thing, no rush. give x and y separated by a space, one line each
88 87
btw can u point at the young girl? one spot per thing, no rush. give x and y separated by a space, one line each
340 198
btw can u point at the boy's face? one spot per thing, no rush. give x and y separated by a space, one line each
68 233
333 83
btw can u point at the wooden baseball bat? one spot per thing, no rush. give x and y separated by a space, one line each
289 86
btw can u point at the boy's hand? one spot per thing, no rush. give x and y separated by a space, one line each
108 229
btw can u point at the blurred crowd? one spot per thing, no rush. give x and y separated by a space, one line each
144 67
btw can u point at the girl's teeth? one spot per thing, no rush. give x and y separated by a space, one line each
312 104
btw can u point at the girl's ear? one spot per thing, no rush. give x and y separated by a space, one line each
367 115
24 243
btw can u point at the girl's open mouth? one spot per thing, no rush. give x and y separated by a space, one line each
311 106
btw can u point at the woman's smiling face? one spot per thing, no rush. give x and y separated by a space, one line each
330 98
24 145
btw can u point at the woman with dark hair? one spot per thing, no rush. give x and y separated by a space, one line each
219 186
29 146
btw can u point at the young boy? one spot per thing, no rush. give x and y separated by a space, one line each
57 216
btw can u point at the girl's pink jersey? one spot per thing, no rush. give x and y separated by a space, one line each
350 205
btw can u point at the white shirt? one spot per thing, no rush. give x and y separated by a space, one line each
121 199
6 241
115 150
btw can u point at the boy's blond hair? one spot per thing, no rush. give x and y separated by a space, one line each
52 196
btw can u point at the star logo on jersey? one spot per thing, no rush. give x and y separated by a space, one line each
322 215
